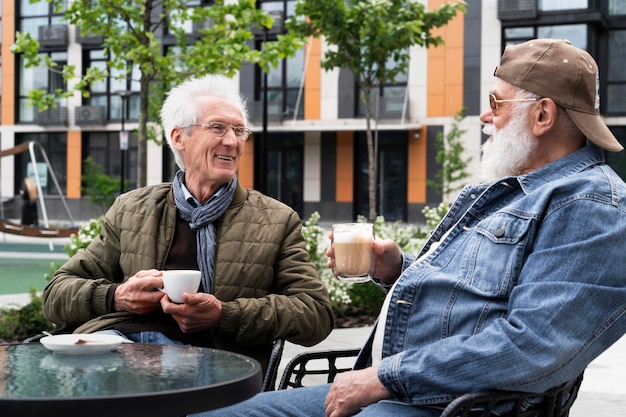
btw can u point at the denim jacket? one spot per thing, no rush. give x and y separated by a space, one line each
524 292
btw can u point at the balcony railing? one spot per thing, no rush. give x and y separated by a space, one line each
89 115
517 9
88 39
56 116
53 35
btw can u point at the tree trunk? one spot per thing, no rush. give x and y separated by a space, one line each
371 154
142 132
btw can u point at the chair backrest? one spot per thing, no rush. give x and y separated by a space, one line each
555 402
269 379
315 364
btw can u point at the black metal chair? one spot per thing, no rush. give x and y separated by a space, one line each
269 379
308 364
555 402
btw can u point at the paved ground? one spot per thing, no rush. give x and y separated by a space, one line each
603 392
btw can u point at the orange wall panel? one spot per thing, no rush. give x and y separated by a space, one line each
445 68
7 105
245 175
416 184
345 167
312 80
453 69
436 103
74 163
436 71
453 99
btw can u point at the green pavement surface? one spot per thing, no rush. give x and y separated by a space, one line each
24 265
57 248
18 275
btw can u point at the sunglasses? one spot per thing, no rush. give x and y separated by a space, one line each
494 102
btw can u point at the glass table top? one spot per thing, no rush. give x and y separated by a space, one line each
32 371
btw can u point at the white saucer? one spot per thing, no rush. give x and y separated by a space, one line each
94 343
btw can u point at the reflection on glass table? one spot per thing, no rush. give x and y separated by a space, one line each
135 379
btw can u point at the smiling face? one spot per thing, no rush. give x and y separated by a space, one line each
210 161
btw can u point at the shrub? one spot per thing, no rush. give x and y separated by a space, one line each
100 189
19 323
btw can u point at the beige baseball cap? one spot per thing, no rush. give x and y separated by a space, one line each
568 75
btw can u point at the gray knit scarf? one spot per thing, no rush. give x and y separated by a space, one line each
201 220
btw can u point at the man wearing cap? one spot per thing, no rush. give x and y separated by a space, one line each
522 284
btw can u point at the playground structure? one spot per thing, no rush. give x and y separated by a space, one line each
7 226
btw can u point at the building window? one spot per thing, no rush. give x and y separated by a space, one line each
284 82
183 20
617 7
40 78
550 5
283 88
514 36
106 92
576 34
391 96
104 149
34 16
616 78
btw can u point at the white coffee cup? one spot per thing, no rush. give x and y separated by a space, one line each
179 281
353 252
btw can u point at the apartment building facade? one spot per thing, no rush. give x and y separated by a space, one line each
308 147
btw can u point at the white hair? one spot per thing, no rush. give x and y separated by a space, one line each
180 107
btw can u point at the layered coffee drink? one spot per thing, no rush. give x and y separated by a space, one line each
352 245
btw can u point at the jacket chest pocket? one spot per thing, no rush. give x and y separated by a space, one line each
497 253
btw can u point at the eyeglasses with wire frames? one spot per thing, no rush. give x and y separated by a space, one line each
494 102
219 129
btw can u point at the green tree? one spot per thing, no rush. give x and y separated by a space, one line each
372 39
99 188
130 29
450 156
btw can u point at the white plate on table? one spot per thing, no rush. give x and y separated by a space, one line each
88 343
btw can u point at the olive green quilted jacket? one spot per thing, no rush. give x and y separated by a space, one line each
263 275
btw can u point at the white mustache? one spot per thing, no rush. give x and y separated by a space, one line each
489 130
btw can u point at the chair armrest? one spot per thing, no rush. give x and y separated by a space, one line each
269 380
299 367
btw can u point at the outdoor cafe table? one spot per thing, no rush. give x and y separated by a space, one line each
135 380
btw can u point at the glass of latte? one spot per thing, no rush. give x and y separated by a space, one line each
353 255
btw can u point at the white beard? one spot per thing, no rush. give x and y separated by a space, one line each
508 149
